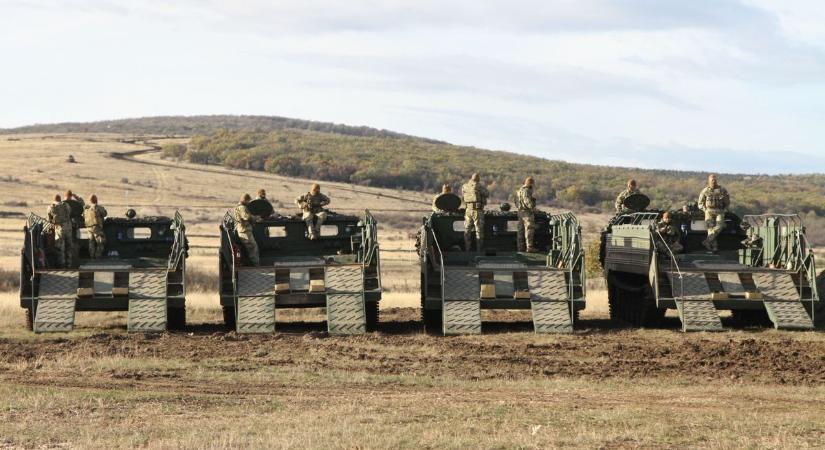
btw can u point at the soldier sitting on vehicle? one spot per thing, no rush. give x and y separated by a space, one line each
445 189
632 189
475 198
526 204
313 213
243 228
59 217
714 201
670 233
93 216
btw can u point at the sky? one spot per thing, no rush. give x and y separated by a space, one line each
716 85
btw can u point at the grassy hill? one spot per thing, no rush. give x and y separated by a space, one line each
373 157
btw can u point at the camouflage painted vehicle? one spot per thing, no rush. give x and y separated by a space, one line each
763 271
142 272
457 284
339 271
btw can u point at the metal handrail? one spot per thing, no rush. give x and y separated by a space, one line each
441 262
673 263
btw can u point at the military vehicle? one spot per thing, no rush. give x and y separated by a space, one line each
339 271
142 272
763 270
456 282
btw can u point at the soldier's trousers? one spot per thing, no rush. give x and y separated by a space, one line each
474 223
97 243
248 241
314 222
64 245
715 221
526 228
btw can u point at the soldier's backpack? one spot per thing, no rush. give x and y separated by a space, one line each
91 218
471 194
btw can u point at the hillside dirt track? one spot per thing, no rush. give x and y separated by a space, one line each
507 350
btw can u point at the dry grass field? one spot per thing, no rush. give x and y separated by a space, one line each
602 387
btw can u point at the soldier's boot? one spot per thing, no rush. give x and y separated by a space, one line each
468 242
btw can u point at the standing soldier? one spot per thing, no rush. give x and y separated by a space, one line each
526 215
262 195
631 190
93 216
243 229
445 189
60 220
475 197
714 201
312 205
72 248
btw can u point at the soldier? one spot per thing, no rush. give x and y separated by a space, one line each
69 195
93 216
445 189
475 197
670 233
72 248
59 218
526 215
714 201
262 195
312 205
243 228
631 189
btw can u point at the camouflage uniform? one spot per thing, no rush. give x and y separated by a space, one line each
475 197
670 234
59 217
93 217
621 198
526 204
73 248
243 229
314 214
714 201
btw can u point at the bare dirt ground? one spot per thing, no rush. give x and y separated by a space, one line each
601 387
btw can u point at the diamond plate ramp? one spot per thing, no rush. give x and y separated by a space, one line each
256 282
461 284
550 302
147 284
55 309
782 301
789 315
462 317
345 314
345 299
147 301
256 314
692 286
698 315
548 285
551 317
147 315
344 279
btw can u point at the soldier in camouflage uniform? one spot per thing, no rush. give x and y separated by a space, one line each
475 198
445 189
312 206
670 233
93 216
243 229
73 249
631 190
526 204
714 201
59 218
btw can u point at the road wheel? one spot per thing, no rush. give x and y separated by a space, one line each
229 317
373 314
176 319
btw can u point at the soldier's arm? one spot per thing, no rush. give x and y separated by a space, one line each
324 200
701 202
103 212
619 201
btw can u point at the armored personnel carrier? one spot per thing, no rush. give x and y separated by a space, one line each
339 271
456 283
142 272
763 270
